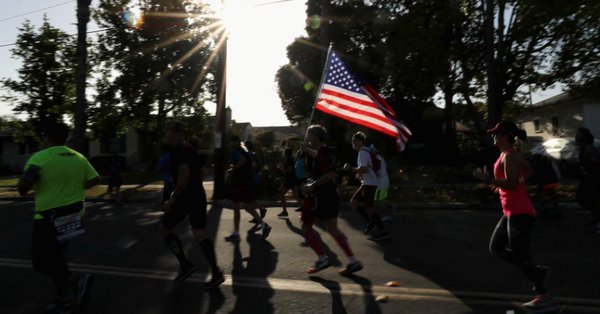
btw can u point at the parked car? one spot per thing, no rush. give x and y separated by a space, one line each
565 151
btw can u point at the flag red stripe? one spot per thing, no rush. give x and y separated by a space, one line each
349 98
358 111
368 115
368 124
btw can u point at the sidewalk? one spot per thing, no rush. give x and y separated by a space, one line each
153 192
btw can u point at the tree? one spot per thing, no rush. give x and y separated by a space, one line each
538 43
461 50
44 89
155 69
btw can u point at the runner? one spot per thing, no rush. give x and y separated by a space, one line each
321 202
115 179
588 191
291 182
363 200
256 168
512 236
59 176
187 199
243 194
383 186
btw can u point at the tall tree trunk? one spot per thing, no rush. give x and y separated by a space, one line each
493 92
83 17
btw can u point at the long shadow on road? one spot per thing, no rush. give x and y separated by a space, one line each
260 263
449 248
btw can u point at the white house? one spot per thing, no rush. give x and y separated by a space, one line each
560 116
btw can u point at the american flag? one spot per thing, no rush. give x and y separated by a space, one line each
343 96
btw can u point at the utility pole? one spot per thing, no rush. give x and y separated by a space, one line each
83 17
220 124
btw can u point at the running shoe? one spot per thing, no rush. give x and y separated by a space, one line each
83 285
234 237
351 268
59 307
185 272
263 212
541 302
283 214
266 231
320 264
368 228
215 281
380 236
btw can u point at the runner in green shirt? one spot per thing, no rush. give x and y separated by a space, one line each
59 177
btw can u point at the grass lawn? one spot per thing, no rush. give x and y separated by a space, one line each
9 181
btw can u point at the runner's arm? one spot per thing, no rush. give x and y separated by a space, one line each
325 178
27 179
91 183
183 179
239 164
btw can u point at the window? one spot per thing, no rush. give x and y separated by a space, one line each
537 125
555 125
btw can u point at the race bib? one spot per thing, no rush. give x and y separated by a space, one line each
68 227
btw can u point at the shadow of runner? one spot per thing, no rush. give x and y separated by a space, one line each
337 306
260 263
332 256
184 298
371 305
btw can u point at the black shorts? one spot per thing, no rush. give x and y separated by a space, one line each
194 206
326 207
365 195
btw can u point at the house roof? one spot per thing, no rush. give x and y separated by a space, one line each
554 100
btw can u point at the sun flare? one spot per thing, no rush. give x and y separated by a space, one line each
234 14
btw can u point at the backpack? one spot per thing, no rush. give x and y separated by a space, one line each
375 162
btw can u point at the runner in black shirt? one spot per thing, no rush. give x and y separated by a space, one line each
188 198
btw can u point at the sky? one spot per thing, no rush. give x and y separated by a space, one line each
259 35
257 45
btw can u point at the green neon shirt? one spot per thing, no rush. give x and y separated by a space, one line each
61 179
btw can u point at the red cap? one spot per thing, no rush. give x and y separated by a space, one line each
504 127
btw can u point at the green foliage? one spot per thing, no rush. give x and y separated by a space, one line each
266 139
44 89
157 70
412 51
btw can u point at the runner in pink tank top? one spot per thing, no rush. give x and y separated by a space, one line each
514 201
512 236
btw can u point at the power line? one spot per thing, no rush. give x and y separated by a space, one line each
70 35
272 2
35 11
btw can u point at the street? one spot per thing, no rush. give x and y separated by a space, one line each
439 257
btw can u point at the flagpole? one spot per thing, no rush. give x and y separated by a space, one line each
319 91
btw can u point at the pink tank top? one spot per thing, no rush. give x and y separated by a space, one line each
514 202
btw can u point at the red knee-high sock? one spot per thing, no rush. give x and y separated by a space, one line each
342 241
313 241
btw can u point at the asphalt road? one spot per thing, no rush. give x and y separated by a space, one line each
439 257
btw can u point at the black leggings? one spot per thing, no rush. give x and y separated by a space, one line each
47 255
510 242
588 196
